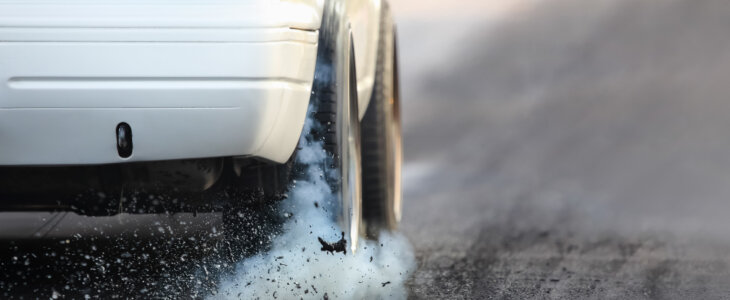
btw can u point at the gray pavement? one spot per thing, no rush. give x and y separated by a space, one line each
571 150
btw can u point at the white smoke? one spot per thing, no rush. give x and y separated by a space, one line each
295 267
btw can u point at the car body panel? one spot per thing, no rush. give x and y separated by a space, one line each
303 14
193 78
364 17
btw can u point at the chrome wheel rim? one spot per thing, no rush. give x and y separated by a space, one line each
349 141
395 140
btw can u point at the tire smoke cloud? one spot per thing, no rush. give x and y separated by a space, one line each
296 268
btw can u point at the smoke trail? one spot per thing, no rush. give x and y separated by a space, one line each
295 267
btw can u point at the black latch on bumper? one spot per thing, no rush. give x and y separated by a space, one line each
124 140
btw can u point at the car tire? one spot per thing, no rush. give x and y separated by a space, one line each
335 107
382 139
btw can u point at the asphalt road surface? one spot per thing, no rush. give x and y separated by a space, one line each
561 149
571 150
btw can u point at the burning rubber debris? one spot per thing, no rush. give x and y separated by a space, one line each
295 267
339 246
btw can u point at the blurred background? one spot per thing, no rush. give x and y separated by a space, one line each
567 148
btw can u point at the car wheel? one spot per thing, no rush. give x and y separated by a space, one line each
382 140
335 106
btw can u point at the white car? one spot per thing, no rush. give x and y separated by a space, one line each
105 98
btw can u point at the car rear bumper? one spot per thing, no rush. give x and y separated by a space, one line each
186 92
